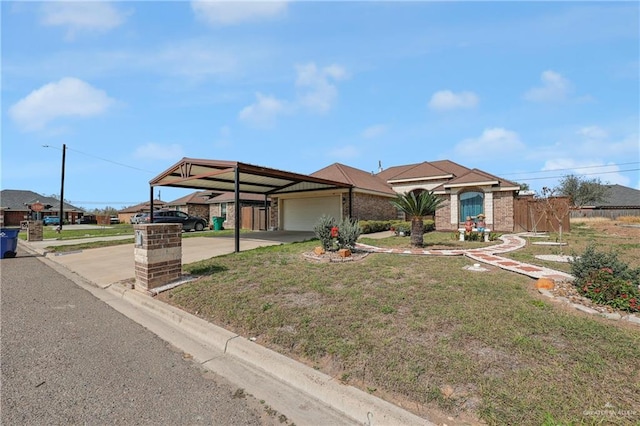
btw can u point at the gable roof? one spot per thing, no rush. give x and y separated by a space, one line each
15 199
357 178
440 169
143 207
476 177
620 196
198 197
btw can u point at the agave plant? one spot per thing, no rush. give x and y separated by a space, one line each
417 207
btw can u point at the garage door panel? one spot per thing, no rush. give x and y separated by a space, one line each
301 214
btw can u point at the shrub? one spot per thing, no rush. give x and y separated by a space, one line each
604 279
404 227
333 235
322 229
603 287
348 233
592 260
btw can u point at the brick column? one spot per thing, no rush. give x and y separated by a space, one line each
34 230
158 254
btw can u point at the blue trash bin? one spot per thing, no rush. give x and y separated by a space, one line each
8 242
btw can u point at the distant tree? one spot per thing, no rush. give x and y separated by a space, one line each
523 186
417 207
582 192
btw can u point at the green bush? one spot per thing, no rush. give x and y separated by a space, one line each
604 288
333 235
348 233
592 260
606 280
371 226
322 229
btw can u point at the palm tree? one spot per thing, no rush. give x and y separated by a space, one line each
417 207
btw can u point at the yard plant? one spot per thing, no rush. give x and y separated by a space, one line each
426 334
417 207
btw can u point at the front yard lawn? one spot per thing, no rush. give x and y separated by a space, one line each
426 334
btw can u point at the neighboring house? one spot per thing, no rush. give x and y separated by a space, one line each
194 204
15 207
224 205
125 214
619 201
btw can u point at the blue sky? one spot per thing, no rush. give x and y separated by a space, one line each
528 91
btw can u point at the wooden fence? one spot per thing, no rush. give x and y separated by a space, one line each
253 217
541 215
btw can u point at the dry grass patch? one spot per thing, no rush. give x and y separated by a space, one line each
424 333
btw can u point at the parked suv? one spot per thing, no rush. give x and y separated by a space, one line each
175 216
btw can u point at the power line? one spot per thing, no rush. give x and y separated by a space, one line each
572 168
585 174
111 161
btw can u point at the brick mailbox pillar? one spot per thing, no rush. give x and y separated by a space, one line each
158 254
34 230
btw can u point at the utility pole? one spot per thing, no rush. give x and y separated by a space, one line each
64 150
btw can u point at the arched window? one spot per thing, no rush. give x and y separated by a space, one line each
471 204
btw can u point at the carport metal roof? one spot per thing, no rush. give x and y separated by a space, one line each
230 176
227 176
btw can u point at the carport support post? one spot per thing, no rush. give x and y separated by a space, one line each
151 204
237 211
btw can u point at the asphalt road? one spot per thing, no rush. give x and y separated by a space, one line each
68 358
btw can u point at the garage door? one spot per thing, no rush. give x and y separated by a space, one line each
301 214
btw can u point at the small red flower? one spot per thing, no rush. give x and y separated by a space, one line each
624 296
334 232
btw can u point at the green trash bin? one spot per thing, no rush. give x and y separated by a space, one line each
217 223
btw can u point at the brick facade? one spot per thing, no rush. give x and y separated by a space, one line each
369 207
443 215
157 254
503 219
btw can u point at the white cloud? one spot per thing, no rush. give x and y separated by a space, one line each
69 97
446 99
374 131
264 111
227 12
493 143
554 88
84 16
153 151
317 91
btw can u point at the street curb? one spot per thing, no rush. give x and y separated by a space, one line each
352 402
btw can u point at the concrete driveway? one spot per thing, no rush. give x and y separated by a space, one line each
107 265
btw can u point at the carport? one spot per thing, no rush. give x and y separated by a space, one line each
233 176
